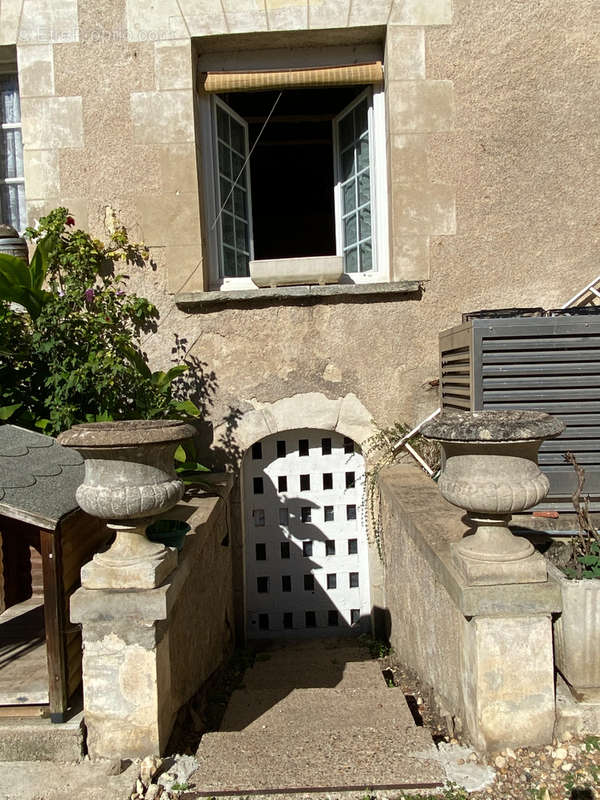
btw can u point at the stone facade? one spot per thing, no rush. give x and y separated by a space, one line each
490 129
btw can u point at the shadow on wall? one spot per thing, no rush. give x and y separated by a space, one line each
200 385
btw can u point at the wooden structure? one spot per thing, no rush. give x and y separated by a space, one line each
40 526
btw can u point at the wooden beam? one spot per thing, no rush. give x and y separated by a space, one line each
54 616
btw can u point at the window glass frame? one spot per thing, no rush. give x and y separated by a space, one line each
17 180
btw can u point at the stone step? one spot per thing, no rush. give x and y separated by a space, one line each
305 674
355 758
37 739
317 709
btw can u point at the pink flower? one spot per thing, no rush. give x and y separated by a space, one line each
70 221
89 295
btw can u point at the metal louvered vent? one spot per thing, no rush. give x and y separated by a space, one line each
541 363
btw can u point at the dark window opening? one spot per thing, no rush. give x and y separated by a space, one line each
282 483
262 585
263 622
293 160
288 620
285 549
310 619
257 450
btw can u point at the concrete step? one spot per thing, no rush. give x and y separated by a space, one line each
316 709
316 761
37 739
306 674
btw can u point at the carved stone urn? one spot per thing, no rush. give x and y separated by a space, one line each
490 469
129 479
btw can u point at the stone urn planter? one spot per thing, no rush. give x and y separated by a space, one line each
577 635
129 479
490 469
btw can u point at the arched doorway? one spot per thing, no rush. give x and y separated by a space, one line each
306 550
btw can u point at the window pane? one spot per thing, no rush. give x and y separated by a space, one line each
257 450
366 257
364 188
351 261
360 118
240 202
362 154
285 549
11 154
12 205
10 110
328 514
346 131
224 160
238 163
282 483
237 137
262 585
241 235
309 583
259 517
332 617
307 549
226 198
350 230
222 124
349 197
243 265
331 580
229 268
288 620
284 517
286 583
347 163
227 228
364 223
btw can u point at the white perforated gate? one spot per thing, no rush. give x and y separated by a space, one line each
306 557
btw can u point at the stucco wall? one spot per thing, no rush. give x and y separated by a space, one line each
493 194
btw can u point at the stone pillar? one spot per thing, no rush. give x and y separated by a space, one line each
507 680
126 671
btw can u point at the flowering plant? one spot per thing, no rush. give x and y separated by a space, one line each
76 355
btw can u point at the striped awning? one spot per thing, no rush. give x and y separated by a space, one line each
263 80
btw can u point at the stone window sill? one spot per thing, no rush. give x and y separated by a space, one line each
300 295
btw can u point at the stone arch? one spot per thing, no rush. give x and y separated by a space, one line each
345 415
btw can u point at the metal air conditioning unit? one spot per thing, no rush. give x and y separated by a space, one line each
548 363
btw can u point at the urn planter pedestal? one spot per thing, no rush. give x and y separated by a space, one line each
490 469
129 480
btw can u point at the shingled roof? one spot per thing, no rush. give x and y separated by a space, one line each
38 477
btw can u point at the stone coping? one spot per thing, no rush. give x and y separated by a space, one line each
492 426
200 301
125 433
433 524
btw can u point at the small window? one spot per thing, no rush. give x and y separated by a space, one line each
310 619
309 583
262 585
12 182
303 447
326 447
258 486
257 451
288 620
285 549
258 515
351 512
286 583
353 580
331 580
332 618
261 551
328 514
352 547
263 622
350 480
304 483
284 517
327 480
330 547
305 513
281 449
307 549
348 445
282 483
354 616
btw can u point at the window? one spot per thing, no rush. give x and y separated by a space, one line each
12 182
297 172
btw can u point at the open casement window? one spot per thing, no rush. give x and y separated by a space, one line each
298 173
232 192
12 182
353 190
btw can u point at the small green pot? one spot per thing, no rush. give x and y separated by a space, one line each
170 532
